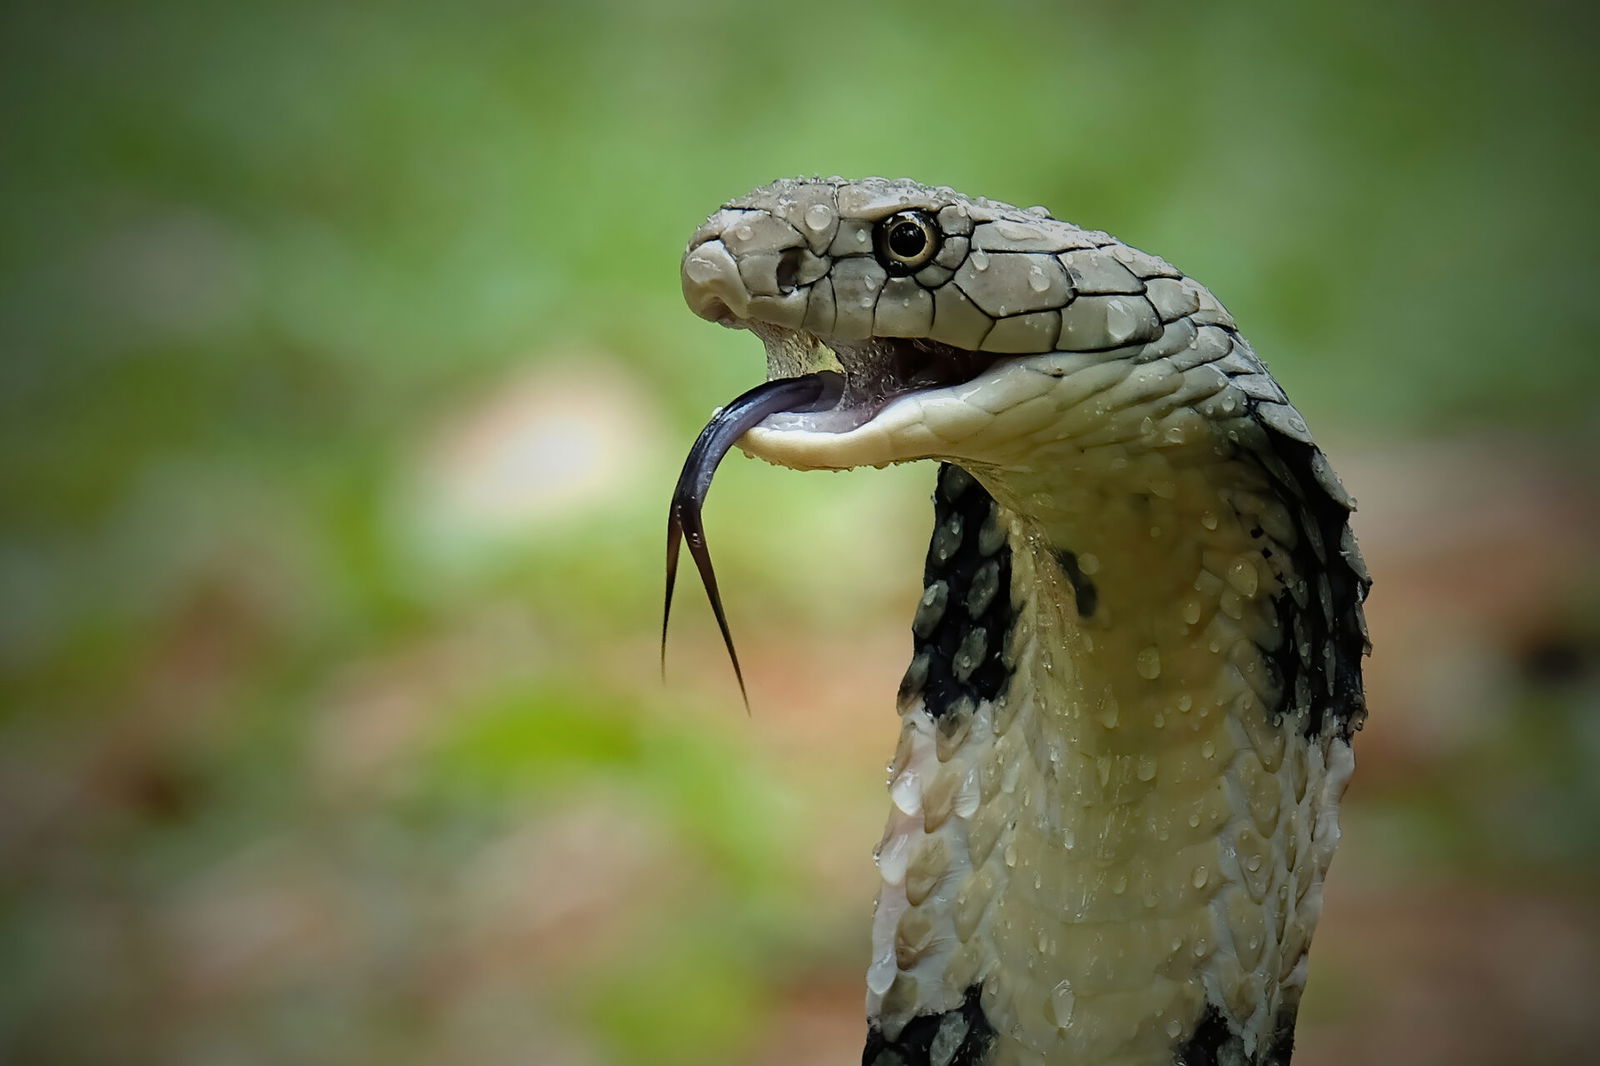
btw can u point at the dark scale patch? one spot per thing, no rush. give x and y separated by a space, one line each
1318 660
1083 590
1214 1044
959 1037
966 610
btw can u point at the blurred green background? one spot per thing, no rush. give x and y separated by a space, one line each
344 378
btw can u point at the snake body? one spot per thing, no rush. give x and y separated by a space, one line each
1136 670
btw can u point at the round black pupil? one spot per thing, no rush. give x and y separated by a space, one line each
907 240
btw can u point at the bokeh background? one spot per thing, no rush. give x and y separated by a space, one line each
343 379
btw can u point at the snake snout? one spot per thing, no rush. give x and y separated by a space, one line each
711 284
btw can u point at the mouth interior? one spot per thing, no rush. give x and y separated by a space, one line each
876 372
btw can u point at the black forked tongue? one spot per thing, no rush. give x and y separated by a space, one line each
813 392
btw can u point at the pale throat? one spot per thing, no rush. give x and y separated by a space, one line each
1142 596
1139 575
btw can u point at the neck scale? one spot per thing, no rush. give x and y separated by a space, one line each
1125 735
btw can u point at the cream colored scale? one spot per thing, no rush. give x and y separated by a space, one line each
1137 830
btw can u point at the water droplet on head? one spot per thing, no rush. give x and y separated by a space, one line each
1201 876
980 259
819 217
1208 749
1148 663
1145 768
700 269
1037 281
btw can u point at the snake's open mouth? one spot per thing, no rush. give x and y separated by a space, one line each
876 372
869 376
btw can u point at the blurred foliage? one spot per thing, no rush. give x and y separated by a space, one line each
259 264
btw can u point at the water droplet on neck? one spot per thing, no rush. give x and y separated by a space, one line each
1244 577
1062 1001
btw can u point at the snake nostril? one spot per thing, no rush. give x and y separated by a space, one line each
788 272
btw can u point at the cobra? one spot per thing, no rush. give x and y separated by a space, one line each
1126 726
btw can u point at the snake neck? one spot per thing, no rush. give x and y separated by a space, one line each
1123 743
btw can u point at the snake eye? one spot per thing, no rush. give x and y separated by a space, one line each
906 241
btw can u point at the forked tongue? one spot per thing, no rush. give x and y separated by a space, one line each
813 392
